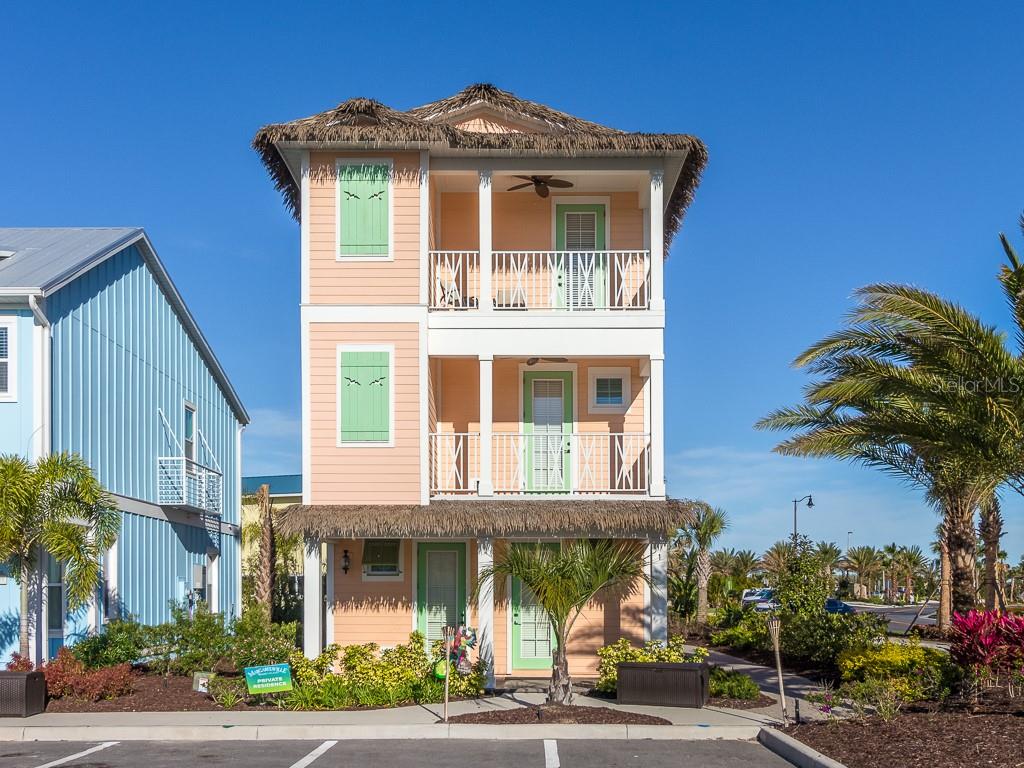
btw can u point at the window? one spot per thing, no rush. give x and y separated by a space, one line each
365 393
364 209
55 606
381 557
189 439
8 329
609 390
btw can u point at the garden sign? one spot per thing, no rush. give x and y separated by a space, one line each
271 678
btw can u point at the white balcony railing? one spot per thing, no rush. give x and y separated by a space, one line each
181 482
543 280
527 464
454 462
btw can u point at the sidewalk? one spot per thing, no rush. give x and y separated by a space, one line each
413 722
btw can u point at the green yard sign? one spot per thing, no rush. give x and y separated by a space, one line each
271 678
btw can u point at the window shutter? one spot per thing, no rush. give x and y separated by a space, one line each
5 352
363 226
365 396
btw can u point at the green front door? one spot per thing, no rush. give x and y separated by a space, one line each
583 267
440 588
532 637
547 426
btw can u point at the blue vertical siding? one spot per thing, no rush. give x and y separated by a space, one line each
121 356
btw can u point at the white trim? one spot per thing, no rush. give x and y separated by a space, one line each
237 575
10 322
624 373
508 625
556 321
546 342
390 163
563 199
213 583
424 224
307 442
424 396
657 430
366 313
390 349
656 222
485 238
367 577
304 215
572 368
111 576
500 161
648 559
659 589
485 364
329 547
312 605
485 609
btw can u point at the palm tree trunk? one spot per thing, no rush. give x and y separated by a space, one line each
264 586
23 624
945 593
560 689
991 530
703 577
962 554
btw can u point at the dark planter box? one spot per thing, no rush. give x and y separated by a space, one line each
22 694
664 685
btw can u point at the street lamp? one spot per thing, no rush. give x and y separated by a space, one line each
796 502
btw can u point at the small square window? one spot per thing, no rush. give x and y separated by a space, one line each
380 557
608 391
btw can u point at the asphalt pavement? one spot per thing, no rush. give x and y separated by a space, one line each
900 616
393 754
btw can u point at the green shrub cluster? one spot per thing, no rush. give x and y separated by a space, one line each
914 672
610 656
122 641
370 677
730 684
255 640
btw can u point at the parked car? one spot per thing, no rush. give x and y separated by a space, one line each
834 605
754 596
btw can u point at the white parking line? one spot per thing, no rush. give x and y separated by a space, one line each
77 755
551 754
308 759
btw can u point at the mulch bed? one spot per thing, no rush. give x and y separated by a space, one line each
760 702
151 695
920 740
561 714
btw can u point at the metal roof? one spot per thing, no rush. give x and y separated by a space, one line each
41 260
280 485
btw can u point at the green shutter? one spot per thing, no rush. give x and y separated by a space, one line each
365 397
363 226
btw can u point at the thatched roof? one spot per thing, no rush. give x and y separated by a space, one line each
369 123
463 518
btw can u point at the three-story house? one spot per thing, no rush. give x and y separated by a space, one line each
482 330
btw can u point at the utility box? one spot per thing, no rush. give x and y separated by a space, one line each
663 684
199 579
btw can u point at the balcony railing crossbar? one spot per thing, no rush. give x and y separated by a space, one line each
185 483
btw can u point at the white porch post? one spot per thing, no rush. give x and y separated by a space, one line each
656 388
486 425
486 260
658 548
485 610
656 220
312 600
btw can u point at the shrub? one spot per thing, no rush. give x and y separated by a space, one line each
66 675
730 684
257 641
122 641
819 638
988 647
19 663
749 634
916 673
312 671
876 695
227 692
610 656
189 643
62 673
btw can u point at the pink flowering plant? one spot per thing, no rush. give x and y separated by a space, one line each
989 649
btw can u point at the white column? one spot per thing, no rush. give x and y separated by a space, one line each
657 238
312 600
485 610
111 573
658 548
656 386
486 425
486 304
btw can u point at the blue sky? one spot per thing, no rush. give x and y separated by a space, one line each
850 143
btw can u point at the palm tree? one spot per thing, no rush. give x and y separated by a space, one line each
746 564
723 561
897 393
775 559
830 555
990 530
866 562
563 582
941 548
55 506
701 531
908 564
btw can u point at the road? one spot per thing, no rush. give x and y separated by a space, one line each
451 753
900 616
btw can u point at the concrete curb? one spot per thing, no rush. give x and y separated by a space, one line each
794 751
321 732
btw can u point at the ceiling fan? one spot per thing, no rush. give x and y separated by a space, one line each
535 360
541 184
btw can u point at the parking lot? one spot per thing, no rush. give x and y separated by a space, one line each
451 753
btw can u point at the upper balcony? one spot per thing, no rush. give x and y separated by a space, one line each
577 241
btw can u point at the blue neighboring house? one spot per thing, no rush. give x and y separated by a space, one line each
100 356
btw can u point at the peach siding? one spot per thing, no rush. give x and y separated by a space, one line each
364 282
364 475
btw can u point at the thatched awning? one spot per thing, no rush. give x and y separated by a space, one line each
374 125
499 518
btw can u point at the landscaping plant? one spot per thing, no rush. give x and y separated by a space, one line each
989 648
122 641
730 684
256 640
190 642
